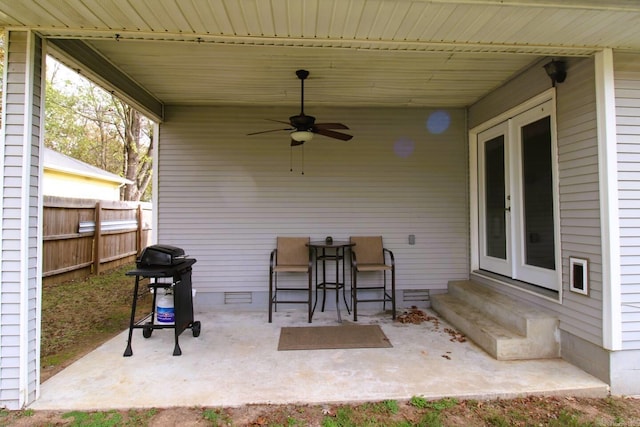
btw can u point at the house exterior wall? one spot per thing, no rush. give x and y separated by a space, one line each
578 180
520 88
581 316
627 92
625 375
61 184
21 232
224 196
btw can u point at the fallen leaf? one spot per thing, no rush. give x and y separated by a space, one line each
455 335
417 316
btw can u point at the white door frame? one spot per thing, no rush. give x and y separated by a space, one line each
475 203
523 271
492 263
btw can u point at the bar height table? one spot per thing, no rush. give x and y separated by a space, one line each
331 250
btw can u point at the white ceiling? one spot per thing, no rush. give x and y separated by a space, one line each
398 53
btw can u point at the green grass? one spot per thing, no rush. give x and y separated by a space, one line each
216 417
78 316
438 405
132 418
94 419
391 406
431 419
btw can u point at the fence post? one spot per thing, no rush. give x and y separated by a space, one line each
97 241
139 236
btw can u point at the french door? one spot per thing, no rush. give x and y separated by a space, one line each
517 198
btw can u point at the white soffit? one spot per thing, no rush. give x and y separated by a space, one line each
359 52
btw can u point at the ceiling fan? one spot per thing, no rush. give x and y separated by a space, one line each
303 127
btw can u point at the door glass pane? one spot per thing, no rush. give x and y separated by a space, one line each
538 194
495 227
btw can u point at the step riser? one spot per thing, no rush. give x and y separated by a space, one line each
508 348
480 315
499 307
487 343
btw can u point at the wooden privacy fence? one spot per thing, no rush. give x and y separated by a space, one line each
83 237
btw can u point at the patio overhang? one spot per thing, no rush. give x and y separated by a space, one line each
381 54
97 68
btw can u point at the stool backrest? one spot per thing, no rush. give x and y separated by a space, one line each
368 249
292 251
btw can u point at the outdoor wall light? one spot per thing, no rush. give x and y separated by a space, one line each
302 135
557 71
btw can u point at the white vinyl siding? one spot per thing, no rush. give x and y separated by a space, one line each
627 83
20 282
527 84
225 196
579 198
578 184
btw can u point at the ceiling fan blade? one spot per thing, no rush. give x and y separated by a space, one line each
331 126
333 134
267 131
279 121
304 123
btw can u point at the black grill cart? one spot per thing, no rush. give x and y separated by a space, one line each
160 262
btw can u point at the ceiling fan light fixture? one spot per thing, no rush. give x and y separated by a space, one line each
302 135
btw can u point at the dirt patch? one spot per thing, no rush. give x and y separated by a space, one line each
526 411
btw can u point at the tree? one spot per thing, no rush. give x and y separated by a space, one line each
137 164
91 125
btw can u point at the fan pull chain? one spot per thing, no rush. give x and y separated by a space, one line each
291 159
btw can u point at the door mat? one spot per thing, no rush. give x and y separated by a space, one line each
332 337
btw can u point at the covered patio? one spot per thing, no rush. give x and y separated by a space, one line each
422 85
235 362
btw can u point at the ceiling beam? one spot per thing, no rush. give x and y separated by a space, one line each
79 56
417 46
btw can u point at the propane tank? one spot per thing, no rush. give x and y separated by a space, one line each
165 312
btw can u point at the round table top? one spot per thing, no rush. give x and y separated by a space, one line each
333 244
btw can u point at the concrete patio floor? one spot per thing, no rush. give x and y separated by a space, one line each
235 361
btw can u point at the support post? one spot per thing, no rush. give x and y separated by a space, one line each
97 239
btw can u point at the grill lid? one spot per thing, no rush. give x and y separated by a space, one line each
160 255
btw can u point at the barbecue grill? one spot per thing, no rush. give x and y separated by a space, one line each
161 262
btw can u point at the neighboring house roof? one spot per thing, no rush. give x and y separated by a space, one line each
62 163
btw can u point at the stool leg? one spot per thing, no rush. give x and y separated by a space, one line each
270 295
354 295
393 292
309 297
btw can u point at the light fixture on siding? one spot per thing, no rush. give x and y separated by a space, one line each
557 71
301 136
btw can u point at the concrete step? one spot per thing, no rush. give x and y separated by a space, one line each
502 308
505 328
